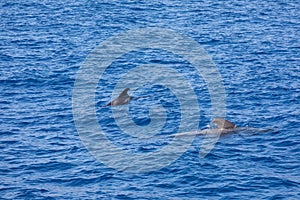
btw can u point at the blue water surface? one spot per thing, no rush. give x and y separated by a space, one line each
255 46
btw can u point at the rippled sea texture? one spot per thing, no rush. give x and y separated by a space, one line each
254 44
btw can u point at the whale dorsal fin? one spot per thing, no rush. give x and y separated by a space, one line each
122 99
223 123
124 94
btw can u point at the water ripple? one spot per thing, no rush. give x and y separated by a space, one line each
255 46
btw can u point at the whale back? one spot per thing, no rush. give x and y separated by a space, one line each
223 123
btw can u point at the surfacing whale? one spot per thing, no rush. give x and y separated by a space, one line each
223 126
122 99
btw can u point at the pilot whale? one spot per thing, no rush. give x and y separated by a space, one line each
223 126
122 99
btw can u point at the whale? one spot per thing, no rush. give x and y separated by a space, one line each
223 126
122 99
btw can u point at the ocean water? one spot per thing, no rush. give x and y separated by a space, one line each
255 46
